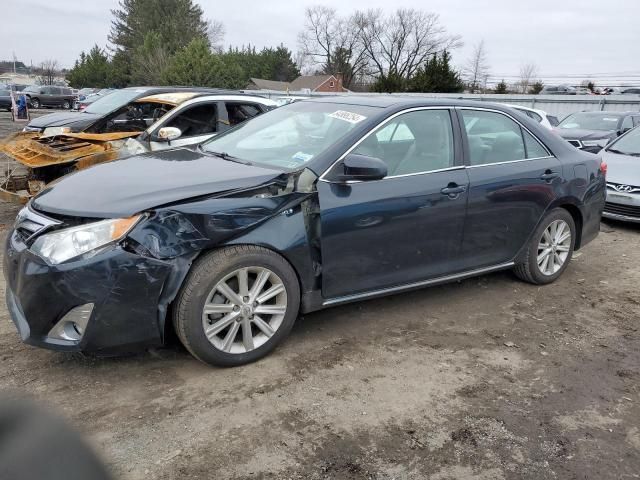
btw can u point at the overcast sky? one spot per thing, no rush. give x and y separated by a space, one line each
564 38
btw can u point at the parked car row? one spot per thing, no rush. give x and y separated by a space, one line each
313 204
570 90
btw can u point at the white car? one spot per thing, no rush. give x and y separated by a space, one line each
197 120
540 116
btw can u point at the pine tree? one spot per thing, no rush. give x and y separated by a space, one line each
501 88
437 76
195 65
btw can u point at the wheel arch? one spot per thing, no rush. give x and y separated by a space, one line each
571 205
568 204
293 247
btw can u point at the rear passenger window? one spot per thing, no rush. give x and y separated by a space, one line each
241 112
494 137
534 149
413 142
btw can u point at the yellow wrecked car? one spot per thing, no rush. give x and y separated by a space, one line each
41 154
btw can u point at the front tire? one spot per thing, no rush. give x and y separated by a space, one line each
35 103
66 105
236 305
550 249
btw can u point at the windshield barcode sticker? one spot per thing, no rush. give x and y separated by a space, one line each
348 116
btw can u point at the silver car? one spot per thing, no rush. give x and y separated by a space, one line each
623 177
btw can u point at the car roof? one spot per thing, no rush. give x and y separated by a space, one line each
610 113
400 101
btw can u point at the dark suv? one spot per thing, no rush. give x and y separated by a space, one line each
49 96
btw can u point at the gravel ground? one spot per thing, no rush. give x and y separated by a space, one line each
484 379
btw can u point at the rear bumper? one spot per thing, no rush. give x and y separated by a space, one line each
125 289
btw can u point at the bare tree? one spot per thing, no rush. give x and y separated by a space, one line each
399 43
215 32
332 43
48 72
476 72
528 73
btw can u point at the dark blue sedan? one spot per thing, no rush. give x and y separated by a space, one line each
311 205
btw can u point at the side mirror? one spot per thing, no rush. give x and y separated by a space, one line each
167 134
362 167
625 130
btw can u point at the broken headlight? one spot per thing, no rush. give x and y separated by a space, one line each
62 245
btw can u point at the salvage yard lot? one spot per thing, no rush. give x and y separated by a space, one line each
484 379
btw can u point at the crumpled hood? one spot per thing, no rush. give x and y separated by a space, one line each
623 169
125 187
579 134
78 121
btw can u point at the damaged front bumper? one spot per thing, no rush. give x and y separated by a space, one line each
117 293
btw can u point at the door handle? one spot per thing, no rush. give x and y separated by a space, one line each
549 175
453 190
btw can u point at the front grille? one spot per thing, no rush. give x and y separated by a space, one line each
30 223
619 209
623 188
575 143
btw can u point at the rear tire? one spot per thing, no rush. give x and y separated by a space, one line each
227 313
550 249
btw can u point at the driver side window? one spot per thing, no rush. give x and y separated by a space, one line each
413 142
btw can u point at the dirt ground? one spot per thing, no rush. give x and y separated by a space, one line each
484 379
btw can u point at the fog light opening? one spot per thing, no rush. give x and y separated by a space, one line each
72 326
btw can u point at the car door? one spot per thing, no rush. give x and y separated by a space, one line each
197 122
45 96
55 96
513 178
406 227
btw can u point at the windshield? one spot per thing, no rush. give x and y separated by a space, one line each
628 144
110 102
290 136
32 88
591 121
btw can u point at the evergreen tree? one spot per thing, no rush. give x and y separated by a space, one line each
91 70
536 88
149 61
390 83
501 88
148 32
436 76
176 22
195 65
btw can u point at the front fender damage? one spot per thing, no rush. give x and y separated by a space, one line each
178 234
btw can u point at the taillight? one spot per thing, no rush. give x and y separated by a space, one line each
603 167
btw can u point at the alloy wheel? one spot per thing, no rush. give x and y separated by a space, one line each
554 247
244 310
